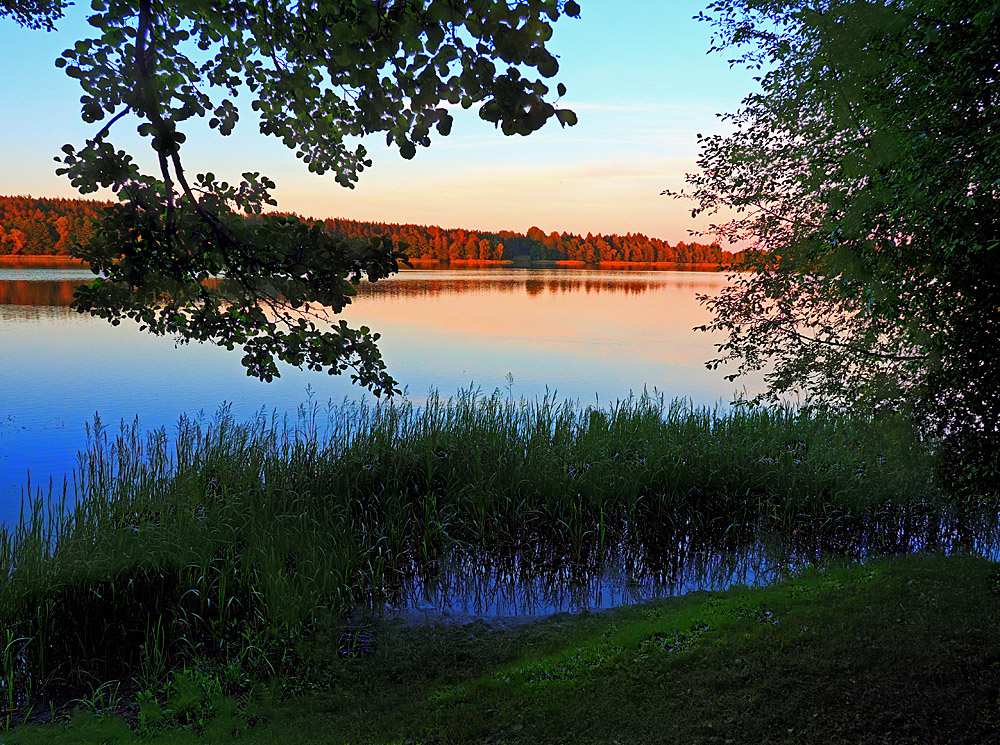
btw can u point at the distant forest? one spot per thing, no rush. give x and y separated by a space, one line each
451 244
31 226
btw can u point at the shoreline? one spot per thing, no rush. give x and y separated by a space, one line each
61 261
525 263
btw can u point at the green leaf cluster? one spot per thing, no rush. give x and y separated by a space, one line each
33 14
266 284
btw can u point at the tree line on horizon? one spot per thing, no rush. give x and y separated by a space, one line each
34 226
39 226
459 244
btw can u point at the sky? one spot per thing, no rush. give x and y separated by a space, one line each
637 75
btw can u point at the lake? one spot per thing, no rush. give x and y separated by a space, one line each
591 335
595 336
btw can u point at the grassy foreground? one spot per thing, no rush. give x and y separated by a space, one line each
193 580
896 651
229 545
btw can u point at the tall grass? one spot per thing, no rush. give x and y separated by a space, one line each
226 542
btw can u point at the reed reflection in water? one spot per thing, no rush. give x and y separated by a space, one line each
535 581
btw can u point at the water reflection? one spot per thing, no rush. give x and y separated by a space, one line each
47 287
25 287
467 585
14 263
582 332
536 581
405 286
533 282
50 293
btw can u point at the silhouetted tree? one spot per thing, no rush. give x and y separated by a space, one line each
866 175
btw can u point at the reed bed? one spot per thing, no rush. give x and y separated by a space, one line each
227 543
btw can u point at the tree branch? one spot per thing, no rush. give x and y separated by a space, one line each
864 352
107 127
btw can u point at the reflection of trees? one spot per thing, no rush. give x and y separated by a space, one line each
402 286
57 293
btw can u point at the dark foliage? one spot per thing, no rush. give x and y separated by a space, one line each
866 174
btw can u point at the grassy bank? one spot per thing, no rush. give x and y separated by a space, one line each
895 651
227 547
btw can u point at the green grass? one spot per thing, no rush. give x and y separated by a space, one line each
900 651
227 547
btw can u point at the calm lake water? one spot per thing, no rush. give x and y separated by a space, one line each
595 336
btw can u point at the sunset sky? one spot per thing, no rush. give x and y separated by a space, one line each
637 75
